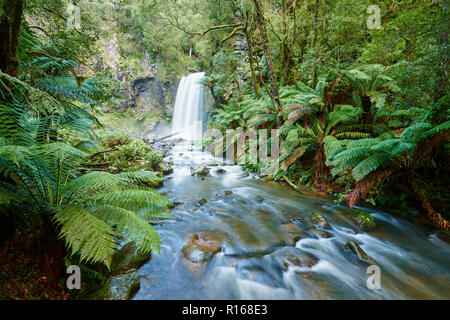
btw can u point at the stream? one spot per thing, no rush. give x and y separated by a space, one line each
256 220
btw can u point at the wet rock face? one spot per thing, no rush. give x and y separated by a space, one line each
120 287
148 92
318 220
201 247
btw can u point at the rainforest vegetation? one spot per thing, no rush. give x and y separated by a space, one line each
361 102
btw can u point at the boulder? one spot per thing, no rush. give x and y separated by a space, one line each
364 220
203 201
120 287
167 170
220 171
318 220
200 172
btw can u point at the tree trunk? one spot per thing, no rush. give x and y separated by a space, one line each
248 36
10 21
262 28
314 44
441 83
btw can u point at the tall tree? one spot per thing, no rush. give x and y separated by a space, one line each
266 47
10 21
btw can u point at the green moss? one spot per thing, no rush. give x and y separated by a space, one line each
364 220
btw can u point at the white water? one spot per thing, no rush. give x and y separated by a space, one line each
189 113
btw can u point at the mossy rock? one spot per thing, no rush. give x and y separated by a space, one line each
354 247
224 193
203 201
120 287
167 170
201 172
319 221
364 220
129 257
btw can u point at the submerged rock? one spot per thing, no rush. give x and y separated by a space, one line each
120 287
319 233
354 247
128 257
201 247
319 221
220 171
291 234
259 198
305 260
203 201
224 193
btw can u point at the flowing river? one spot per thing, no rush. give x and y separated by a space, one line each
253 260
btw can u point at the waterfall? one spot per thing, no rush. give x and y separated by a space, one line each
189 112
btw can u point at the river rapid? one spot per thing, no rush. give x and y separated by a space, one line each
269 251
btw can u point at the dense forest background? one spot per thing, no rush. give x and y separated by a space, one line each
359 93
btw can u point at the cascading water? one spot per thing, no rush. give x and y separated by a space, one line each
189 113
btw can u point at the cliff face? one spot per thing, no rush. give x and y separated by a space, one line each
148 94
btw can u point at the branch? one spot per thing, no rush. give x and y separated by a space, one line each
232 34
176 24
101 152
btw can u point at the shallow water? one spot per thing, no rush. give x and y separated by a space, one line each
413 261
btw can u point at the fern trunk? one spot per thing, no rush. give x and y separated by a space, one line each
319 163
52 253
433 216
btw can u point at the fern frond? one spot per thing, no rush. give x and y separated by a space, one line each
135 228
87 234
